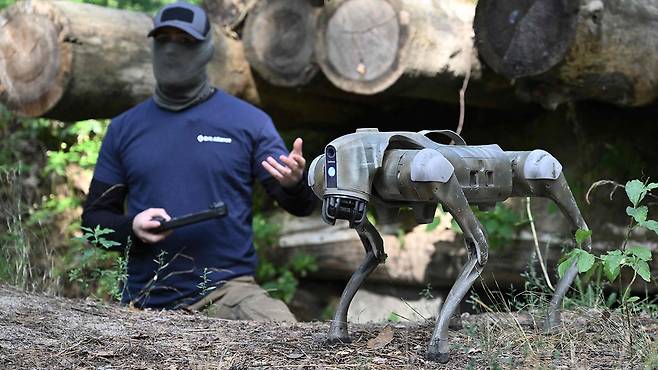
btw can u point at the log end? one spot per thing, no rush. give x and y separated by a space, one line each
226 13
359 43
278 39
519 38
35 57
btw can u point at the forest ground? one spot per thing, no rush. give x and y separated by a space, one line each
39 331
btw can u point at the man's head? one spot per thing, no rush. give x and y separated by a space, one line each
182 16
182 47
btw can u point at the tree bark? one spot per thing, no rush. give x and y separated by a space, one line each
572 50
366 46
278 39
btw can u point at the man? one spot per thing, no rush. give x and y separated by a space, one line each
185 148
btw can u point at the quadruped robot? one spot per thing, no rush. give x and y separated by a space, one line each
389 170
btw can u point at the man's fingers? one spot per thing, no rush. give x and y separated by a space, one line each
297 146
290 162
272 171
282 169
150 224
301 161
293 161
150 238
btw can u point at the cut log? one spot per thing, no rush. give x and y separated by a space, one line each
436 257
100 68
95 62
572 50
228 14
278 39
415 259
365 46
66 60
38 41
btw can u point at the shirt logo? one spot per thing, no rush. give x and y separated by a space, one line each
213 139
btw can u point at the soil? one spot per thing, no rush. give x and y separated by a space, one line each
44 332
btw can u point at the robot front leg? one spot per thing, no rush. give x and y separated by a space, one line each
374 246
558 191
534 180
453 199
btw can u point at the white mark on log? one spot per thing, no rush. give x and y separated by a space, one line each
361 69
404 18
593 6
95 41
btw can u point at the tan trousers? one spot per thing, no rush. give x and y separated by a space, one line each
243 299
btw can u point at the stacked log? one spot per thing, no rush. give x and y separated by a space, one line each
228 14
421 256
71 61
365 46
279 40
94 62
561 51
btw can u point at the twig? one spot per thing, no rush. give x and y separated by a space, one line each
462 103
536 241
413 309
616 186
69 348
601 183
398 315
484 305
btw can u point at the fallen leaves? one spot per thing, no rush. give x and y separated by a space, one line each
380 341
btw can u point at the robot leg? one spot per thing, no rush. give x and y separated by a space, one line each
453 199
374 246
539 174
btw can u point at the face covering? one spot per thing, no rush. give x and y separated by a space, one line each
180 73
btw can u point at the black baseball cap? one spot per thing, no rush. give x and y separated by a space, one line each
184 16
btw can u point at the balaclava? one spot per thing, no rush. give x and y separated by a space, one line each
180 68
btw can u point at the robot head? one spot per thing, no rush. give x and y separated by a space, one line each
342 177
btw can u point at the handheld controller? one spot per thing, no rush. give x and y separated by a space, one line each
216 210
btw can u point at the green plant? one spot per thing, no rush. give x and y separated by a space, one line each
635 258
501 224
393 317
95 237
427 292
28 256
280 280
101 273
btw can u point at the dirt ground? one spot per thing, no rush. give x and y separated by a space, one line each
42 332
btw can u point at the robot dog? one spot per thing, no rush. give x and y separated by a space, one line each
389 170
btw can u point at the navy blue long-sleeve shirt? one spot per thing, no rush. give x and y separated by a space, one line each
183 162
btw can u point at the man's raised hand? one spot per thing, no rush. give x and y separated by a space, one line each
291 169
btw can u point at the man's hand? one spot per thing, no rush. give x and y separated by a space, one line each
143 222
291 171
